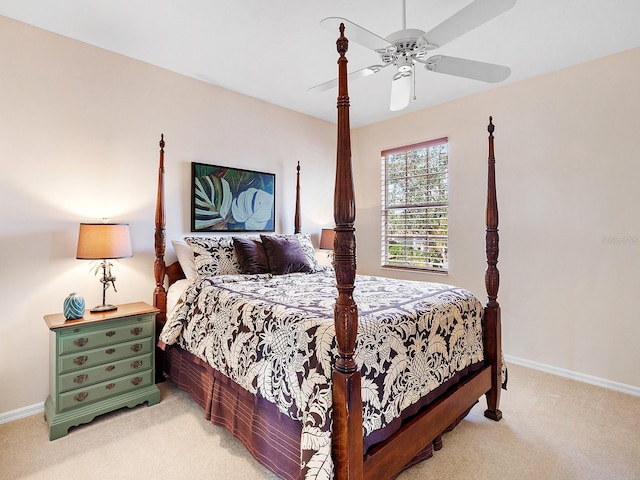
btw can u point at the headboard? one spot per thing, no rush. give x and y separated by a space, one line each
166 275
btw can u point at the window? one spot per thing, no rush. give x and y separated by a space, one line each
415 206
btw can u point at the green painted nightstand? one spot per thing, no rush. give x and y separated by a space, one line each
99 363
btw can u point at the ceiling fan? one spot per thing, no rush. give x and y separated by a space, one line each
408 47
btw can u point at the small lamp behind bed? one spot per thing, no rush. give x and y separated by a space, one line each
104 241
326 240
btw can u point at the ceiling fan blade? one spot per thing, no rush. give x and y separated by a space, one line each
355 33
470 17
460 67
400 91
363 72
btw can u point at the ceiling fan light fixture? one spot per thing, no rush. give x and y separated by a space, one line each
404 63
400 92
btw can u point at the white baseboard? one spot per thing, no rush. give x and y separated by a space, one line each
581 377
21 413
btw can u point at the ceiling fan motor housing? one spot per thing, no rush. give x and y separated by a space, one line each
406 45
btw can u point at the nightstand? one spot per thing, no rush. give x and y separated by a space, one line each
99 363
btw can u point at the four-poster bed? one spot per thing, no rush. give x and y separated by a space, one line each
330 394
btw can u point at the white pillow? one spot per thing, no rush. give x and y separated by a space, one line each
175 292
185 259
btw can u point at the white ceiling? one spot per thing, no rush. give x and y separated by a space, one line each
275 50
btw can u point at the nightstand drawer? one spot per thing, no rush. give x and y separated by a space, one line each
101 373
91 358
104 390
93 336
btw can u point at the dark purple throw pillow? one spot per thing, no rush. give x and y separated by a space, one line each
251 255
285 255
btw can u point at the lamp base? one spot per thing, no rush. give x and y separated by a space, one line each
103 308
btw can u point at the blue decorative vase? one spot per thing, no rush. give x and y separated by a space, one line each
73 306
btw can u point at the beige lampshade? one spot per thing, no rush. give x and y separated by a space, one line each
99 241
326 239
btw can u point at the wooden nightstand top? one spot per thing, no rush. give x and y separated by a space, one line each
57 320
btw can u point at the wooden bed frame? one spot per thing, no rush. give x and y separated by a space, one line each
385 460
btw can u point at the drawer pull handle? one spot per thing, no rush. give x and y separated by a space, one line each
80 342
137 330
110 386
110 368
136 364
79 397
80 360
81 378
110 333
109 351
136 380
136 347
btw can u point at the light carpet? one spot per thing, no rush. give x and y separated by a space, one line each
553 428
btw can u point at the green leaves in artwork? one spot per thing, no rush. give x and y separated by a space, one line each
212 197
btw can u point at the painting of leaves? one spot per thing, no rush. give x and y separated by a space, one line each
229 199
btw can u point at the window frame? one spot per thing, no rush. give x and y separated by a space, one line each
433 210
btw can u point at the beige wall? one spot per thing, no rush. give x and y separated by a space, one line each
568 152
79 132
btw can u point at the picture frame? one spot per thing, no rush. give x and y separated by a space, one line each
229 199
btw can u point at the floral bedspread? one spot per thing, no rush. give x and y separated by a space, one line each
274 336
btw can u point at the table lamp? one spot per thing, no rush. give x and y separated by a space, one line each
104 241
326 240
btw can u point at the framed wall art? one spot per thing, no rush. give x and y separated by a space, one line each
226 199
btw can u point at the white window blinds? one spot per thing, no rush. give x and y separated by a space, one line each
415 206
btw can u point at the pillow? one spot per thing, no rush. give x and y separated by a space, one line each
213 256
185 259
285 254
309 251
251 255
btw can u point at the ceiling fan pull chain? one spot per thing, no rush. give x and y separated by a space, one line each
414 81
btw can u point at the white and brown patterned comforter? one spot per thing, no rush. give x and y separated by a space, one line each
274 336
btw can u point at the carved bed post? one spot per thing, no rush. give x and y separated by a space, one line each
492 322
347 401
159 267
160 294
296 220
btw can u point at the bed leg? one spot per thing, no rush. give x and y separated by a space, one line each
347 426
493 349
